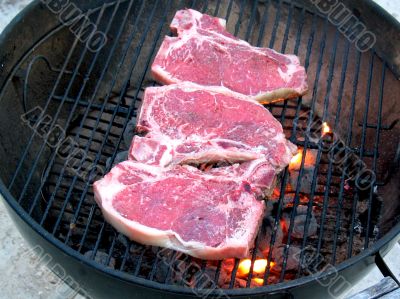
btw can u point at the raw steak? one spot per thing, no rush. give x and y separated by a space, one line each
190 124
205 53
209 215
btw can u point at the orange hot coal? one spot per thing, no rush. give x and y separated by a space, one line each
309 160
258 281
259 266
325 129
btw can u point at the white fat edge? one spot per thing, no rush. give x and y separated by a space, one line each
262 51
222 22
150 232
146 108
185 246
166 238
214 90
280 137
171 236
167 157
159 94
230 155
241 144
109 186
196 15
171 145
165 73
193 33
288 75
254 165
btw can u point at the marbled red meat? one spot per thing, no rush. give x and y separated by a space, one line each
187 123
205 53
210 215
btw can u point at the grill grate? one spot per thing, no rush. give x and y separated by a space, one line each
78 222
95 95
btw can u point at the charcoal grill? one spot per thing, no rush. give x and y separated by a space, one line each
53 87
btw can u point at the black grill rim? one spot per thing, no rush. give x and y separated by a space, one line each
380 246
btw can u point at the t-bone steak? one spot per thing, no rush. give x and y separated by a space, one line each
209 215
205 53
191 124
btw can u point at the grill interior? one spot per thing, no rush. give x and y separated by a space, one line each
90 99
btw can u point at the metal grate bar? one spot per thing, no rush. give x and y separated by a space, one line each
273 238
85 116
217 8
96 246
242 3
296 201
110 55
364 129
282 116
139 262
338 114
201 273
383 127
69 119
110 251
376 148
44 143
233 275
264 23
282 119
87 111
276 24
316 171
168 275
276 225
205 7
125 88
299 32
125 257
328 184
253 258
228 13
288 24
30 141
299 104
218 271
348 142
252 19
86 230
154 266
85 104
185 272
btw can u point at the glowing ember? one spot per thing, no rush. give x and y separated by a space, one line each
296 160
283 225
325 129
258 267
309 161
258 281
244 267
